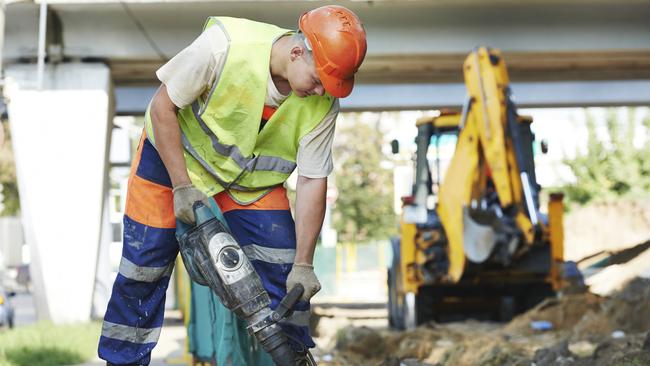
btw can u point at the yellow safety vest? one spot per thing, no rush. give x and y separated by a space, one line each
223 146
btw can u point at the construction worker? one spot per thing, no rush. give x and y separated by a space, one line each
238 110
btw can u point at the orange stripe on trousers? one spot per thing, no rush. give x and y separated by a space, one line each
147 202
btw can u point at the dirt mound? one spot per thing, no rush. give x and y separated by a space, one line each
628 311
587 330
484 350
563 313
632 350
630 308
582 315
417 344
365 343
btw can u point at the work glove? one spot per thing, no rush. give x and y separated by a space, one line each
303 274
184 198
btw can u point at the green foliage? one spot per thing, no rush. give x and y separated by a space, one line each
45 344
364 208
9 202
615 167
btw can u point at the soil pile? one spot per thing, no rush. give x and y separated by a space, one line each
586 330
563 313
627 311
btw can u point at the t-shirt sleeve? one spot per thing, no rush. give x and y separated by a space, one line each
193 70
314 158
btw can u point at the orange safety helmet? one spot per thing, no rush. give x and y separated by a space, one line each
338 43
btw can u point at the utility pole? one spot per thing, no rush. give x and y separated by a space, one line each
2 78
2 82
2 40
42 31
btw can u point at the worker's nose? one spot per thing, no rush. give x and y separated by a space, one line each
319 90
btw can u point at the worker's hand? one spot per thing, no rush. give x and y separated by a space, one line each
303 274
184 198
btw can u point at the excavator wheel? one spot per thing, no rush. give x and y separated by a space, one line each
401 308
395 302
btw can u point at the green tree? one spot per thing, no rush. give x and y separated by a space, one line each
364 208
9 204
614 167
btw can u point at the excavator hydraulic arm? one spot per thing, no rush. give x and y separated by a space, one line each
489 146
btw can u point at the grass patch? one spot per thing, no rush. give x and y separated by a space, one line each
46 344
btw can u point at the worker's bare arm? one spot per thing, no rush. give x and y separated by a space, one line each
168 136
310 211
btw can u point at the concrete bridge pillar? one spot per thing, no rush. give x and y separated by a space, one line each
61 136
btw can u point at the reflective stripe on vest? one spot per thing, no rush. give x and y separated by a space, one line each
226 185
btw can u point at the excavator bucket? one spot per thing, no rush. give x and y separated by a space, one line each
478 240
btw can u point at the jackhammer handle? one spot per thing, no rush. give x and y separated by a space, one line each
288 301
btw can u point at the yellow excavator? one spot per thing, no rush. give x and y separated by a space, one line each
475 243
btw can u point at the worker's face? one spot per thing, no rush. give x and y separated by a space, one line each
302 75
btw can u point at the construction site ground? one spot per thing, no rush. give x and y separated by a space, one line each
607 325
587 330
610 327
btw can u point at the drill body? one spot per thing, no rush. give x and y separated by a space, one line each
213 258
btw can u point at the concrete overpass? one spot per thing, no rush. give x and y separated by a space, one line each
559 53
101 58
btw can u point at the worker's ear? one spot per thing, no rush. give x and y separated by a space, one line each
296 52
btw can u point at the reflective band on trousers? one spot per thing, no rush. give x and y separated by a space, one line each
269 255
134 272
268 163
130 334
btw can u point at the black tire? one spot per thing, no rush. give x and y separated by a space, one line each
425 305
391 300
395 301
395 304
507 308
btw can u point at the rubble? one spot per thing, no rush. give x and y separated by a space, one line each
563 313
559 354
363 341
582 349
582 330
